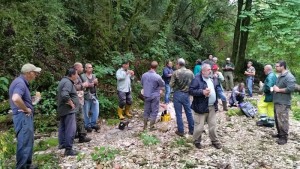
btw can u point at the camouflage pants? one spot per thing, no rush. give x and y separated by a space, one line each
80 123
282 119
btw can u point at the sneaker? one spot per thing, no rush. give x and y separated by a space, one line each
281 141
198 145
88 129
84 139
71 152
260 123
217 145
61 147
179 134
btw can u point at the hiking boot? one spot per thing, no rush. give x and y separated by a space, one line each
152 128
275 135
217 145
70 152
88 129
198 145
32 166
84 139
224 103
260 123
96 127
179 134
145 124
282 141
61 147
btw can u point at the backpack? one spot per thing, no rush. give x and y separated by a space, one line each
248 109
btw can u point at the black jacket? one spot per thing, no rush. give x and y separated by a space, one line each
200 102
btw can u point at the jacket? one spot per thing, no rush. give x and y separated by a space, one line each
66 90
268 83
287 81
200 102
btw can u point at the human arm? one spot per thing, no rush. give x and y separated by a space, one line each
172 81
121 75
220 76
290 86
18 101
196 90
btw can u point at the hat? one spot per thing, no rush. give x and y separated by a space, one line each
30 68
227 58
215 67
181 60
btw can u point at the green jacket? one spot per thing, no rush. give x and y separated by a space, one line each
268 83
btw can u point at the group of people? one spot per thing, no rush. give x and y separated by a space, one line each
78 105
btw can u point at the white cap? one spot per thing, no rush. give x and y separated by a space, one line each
30 68
227 58
181 60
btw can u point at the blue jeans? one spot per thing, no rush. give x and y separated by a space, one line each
220 93
67 130
91 105
167 93
23 126
183 99
249 82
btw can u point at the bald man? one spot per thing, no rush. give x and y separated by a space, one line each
266 106
152 84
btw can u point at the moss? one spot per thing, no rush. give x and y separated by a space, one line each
46 160
234 112
112 122
45 144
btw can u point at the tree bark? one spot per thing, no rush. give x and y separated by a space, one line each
237 30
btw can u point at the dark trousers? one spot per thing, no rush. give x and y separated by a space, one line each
282 119
80 123
67 129
23 126
151 108
124 98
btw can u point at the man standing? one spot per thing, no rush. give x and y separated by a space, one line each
124 77
218 78
68 106
209 60
250 73
152 84
22 109
285 85
81 132
205 106
91 103
197 68
180 82
266 106
228 69
167 73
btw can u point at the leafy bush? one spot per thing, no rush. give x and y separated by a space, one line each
7 147
104 154
48 103
4 83
46 161
45 123
149 139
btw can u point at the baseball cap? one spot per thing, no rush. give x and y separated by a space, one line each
30 68
181 60
215 67
227 58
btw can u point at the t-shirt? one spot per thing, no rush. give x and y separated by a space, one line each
250 69
212 96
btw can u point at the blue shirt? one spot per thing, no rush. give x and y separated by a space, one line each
20 86
124 81
166 77
152 83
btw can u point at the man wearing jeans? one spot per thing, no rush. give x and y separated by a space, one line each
180 82
167 73
205 106
91 103
22 109
250 73
285 85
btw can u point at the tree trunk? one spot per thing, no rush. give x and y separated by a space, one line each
244 38
237 30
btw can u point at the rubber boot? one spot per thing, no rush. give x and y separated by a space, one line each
152 128
120 113
145 124
127 108
224 103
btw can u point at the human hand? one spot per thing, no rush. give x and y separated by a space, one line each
85 84
27 112
95 81
206 92
275 88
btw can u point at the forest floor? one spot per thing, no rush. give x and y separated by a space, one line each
245 145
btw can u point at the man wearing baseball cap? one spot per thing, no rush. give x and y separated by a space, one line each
22 108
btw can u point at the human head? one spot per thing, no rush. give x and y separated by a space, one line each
267 69
206 70
227 60
280 66
78 66
30 71
215 59
125 65
72 73
169 63
198 62
215 68
241 86
249 64
88 68
153 65
181 62
210 56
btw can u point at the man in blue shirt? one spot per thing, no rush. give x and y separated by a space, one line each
167 73
22 107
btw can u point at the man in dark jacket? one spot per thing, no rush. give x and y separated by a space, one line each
68 105
282 96
204 106
167 73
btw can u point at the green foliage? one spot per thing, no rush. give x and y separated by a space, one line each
46 161
45 144
108 106
4 106
45 123
7 147
80 157
104 154
234 112
295 106
48 103
179 142
112 122
149 140
3 87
